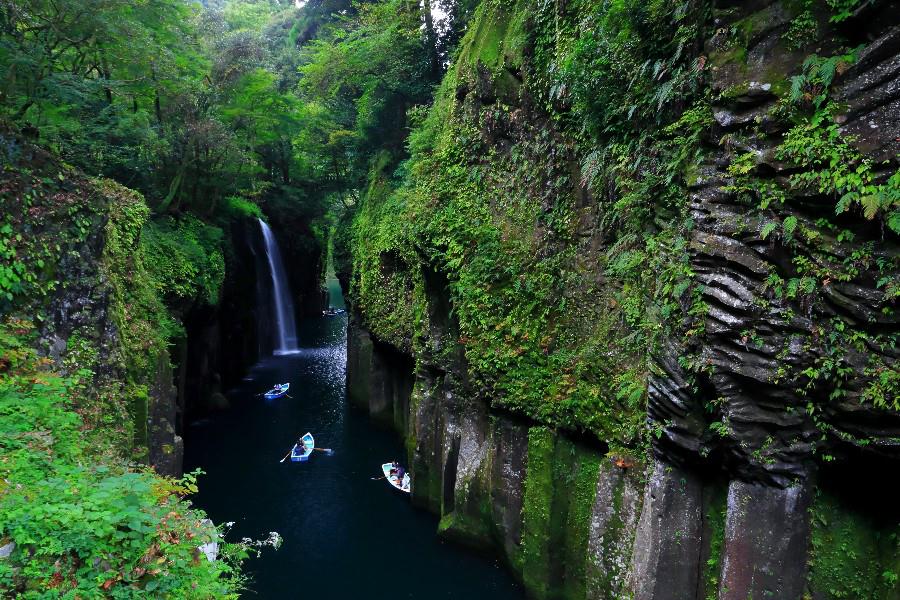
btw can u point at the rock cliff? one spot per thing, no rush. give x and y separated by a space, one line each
648 349
79 267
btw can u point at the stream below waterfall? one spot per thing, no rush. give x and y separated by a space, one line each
345 535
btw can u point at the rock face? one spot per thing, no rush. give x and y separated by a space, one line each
751 403
561 514
223 340
98 311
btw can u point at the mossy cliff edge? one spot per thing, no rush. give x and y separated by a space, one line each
631 300
87 399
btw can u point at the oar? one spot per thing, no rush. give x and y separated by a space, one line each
376 478
327 451
288 454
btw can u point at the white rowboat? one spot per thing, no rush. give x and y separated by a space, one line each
403 486
302 450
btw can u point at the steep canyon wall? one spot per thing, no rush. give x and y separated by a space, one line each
647 349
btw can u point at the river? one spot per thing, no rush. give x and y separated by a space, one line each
345 535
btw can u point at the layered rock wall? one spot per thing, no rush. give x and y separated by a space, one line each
745 236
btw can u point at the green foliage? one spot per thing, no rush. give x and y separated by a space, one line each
504 228
11 270
184 258
843 9
560 488
621 63
81 73
83 527
537 511
367 71
832 166
803 29
142 321
714 516
811 87
236 207
852 556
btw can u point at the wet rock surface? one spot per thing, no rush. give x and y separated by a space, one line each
747 410
766 530
668 542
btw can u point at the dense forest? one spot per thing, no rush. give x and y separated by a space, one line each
650 247
153 125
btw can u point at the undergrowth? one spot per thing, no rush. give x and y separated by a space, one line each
83 527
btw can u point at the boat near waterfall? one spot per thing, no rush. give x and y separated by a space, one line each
303 448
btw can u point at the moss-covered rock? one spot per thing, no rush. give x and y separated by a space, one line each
663 227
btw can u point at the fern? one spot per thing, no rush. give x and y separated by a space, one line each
591 166
893 221
789 225
797 82
870 205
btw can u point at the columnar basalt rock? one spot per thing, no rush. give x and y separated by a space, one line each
668 542
747 398
614 522
766 531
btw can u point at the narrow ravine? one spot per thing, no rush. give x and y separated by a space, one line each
345 535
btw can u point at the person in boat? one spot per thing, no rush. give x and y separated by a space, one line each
400 473
394 467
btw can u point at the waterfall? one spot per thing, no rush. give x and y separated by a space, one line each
286 330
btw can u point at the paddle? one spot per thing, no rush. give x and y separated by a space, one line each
327 451
286 455
376 478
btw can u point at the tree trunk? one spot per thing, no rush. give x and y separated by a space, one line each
431 41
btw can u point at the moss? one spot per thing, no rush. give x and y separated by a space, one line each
426 489
716 507
608 576
470 527
852 557
235 207
472 520
486 44
184 258
140 410
736 55
537 511
560 489
580 488
136 309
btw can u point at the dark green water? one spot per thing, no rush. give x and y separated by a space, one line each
345 536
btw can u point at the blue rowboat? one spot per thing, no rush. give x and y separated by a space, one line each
278 391
395 481
303 448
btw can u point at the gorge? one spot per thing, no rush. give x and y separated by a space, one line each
621 283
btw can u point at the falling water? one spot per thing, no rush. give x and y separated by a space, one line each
286 340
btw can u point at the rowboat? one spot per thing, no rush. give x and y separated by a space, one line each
333 312
278 391
403 486
302 449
